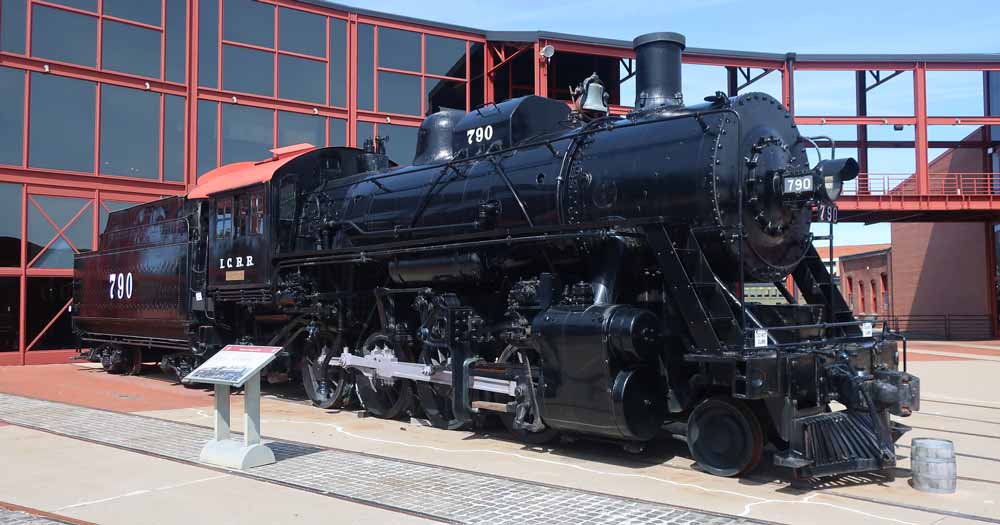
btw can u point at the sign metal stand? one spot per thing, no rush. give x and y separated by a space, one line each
236 365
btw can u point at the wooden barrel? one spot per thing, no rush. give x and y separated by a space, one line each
932 464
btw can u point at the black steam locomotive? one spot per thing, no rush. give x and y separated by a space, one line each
568 271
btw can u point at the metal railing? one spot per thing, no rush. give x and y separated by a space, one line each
905 184
949 327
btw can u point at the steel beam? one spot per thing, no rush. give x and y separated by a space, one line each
920 128
861 104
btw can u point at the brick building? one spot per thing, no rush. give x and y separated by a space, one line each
865 280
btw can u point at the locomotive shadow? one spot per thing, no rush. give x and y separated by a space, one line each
769 474
284 450
660 452
657 453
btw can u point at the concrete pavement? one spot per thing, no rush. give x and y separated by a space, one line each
960 403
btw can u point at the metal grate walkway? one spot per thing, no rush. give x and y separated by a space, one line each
438 493
17 517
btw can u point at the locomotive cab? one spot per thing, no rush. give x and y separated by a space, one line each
239 238
251 222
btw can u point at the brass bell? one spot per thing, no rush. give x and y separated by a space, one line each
592 97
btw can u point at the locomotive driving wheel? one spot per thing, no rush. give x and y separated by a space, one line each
532 430
326 386
725 437
435 398
383 398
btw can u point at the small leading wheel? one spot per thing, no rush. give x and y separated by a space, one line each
383 398
725 437
435 398
545 434
329 388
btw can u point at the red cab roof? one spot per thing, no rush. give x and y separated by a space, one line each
240 174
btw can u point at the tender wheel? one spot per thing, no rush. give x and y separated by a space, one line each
383 398
329 389
538 437
725 437
122 360
436 399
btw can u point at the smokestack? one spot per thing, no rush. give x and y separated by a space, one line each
658 70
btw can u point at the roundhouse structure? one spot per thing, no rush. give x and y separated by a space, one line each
110 103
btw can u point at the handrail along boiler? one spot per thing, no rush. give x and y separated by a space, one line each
569 271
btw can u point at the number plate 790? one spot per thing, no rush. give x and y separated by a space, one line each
800 184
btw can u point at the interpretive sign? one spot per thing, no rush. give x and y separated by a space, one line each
236 365
233 365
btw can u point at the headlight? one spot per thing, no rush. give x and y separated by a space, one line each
834 173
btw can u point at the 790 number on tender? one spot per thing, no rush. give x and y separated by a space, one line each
120 285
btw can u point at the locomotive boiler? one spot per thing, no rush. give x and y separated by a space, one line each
568 271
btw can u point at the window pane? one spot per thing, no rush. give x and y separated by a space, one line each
130 132
11 115
398 49
402 143
338 62
208 43
62 123
173 138
445 56
301 32
81 232
398 93
301 79
248 21
444 94
176 40
297 128
131 49
10 308
64 36
207 136
145 11
366 66
247 70
112 206
246 133
338 132
60 210
10 224
476 83
40 231
86 5
47 298
364 131
12 25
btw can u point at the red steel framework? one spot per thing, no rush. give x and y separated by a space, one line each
876 197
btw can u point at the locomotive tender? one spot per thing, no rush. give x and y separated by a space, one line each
569 271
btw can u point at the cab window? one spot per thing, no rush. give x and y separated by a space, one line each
242 222
240 216
256 216
224 218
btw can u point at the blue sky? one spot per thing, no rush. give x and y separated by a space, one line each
843 26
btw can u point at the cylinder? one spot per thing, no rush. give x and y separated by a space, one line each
658 70
933 465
